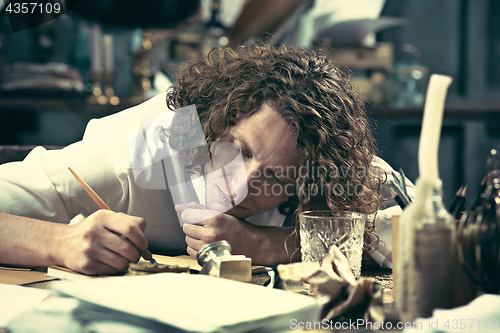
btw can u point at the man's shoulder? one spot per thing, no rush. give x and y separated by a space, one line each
132 117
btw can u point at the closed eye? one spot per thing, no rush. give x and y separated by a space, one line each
278 179
272 174
246 155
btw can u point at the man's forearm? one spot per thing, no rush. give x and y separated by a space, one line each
93 246
275 245
26 241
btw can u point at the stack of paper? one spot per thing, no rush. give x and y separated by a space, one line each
197 302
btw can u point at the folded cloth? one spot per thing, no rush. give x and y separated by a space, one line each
333 277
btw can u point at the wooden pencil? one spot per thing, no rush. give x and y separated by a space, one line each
102 205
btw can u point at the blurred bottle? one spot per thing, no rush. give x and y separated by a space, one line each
215 35
80 55
428 268
408 79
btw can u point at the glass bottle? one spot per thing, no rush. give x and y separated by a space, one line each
214 30
426 252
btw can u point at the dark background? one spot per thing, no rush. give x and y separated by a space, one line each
460 38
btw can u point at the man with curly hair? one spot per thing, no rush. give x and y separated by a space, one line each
300 129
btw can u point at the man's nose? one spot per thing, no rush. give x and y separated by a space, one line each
243 181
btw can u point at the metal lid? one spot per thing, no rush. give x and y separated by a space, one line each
214 249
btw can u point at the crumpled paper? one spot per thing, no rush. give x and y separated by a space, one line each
333 277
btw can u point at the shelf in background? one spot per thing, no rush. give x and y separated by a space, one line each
63 103
453 109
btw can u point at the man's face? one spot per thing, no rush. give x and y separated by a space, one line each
253 165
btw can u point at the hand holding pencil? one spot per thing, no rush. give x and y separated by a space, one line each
106 241
102 205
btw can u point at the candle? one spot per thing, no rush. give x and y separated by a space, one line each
96 48
108 53
431 127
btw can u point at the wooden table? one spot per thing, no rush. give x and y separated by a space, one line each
383 276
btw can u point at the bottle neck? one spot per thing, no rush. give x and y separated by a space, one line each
429 203
215 21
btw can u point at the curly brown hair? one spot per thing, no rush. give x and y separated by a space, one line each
317 100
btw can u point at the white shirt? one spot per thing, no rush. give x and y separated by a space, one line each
42 187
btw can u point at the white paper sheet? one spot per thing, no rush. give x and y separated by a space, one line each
16 299
197 302
480 315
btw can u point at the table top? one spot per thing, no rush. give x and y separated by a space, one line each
383 276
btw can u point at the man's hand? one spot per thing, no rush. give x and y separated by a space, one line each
265 245
203 226
103 243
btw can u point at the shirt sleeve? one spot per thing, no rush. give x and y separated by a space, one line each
42 187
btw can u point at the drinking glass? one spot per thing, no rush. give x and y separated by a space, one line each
321 229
